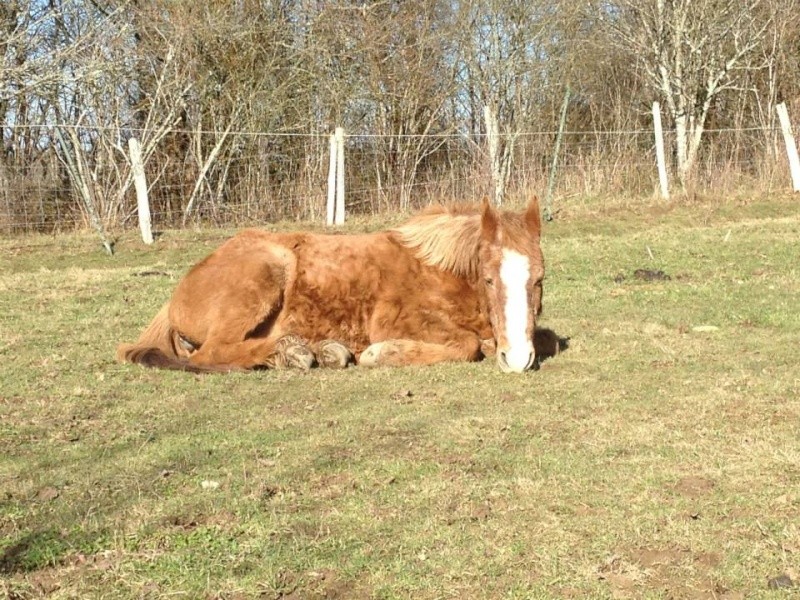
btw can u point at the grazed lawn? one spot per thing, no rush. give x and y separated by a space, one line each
658 457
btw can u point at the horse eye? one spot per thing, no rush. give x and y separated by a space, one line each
489 281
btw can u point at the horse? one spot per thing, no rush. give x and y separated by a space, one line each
443 286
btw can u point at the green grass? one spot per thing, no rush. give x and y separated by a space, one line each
649 460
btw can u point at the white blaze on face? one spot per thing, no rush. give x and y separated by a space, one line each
514 274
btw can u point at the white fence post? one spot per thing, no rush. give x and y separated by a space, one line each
338 218
662 163
331 204
334 214
791 145
140 183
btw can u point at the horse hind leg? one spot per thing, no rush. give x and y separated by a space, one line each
289 351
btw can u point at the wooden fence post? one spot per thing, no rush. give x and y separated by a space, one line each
791 145
493 141
140 184
660 157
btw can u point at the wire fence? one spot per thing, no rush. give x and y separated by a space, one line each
256 177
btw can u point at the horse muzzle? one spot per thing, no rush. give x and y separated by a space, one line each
516 360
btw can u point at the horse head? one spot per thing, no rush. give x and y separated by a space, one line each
512 269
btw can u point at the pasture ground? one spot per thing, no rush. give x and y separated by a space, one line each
657 457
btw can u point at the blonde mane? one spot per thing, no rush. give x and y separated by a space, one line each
445 238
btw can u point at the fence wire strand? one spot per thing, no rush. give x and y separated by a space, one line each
255 182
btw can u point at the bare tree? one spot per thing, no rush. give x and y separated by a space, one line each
779 59
386 72
690 52
508 60
57 56
207 86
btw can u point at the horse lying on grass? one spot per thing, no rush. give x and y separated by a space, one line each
431 290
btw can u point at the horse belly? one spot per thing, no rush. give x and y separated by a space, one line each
333 294
320 313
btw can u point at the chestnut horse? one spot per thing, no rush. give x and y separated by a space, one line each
428 291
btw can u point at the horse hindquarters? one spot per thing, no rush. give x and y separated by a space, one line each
224 313
229 305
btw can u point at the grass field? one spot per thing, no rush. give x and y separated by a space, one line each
657 457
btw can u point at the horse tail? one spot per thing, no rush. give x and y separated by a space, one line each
155 348
155 341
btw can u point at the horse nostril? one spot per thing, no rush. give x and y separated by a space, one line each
502 361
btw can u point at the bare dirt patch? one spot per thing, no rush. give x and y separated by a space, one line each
694 486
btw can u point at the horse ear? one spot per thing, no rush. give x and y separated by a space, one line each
488 222
533 216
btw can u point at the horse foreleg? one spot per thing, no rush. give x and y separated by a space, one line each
402 352
395 335
333 354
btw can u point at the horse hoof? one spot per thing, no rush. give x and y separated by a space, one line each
371 356
294 353
300 357
334 355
